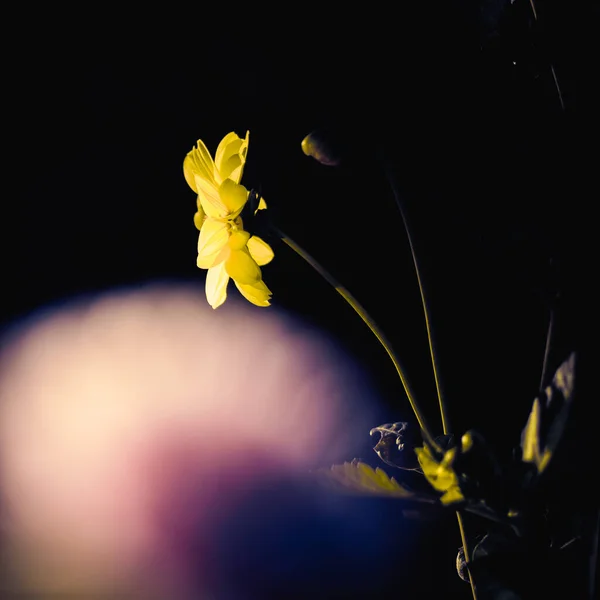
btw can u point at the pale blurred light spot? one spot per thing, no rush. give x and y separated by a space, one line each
133 421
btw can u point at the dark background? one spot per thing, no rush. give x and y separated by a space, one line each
499 183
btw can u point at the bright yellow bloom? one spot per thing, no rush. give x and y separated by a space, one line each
224 248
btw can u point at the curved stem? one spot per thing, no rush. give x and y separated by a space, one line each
593 565
430 339
532 4
549 340
369 322
552 71
466 550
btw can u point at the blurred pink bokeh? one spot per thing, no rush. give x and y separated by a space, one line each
132 422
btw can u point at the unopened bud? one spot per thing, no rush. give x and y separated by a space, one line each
467 441
323 147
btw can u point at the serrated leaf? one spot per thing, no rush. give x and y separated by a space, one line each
359 477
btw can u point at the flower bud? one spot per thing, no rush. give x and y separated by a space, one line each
461 565
323 147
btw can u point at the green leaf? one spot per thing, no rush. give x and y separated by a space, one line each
530 439
548 418
359 477
441 475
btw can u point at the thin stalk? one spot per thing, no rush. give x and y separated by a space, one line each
549 337
430 338
593 565
366 318
532 4
552 71
463 537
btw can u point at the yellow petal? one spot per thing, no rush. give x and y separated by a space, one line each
261 205
216 285
233 197
200 215
257 293
231 156
227 159
199 220
188 173
238 239
211 260
199 163
210 200
231 166
242 267
213 237
260 251
229 146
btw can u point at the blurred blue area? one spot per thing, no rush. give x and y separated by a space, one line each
294 540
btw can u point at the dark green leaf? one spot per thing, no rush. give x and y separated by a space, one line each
549 416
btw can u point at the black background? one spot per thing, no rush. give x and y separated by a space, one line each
499 184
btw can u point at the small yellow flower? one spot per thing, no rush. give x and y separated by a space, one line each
224 248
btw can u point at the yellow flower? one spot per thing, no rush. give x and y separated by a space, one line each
224 248
240 259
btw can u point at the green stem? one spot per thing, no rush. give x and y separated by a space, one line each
593 565
430 338
369 322
463 537
552 71
549 340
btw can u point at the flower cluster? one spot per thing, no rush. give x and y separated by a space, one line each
224 247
